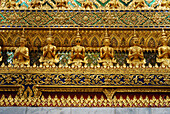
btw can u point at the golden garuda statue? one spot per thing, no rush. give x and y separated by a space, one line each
21 55
106 53
77 53
164 51
49 57
135 55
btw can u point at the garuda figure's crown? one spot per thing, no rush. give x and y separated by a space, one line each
22 39
135 38
164 38
106 35
49 38
78 37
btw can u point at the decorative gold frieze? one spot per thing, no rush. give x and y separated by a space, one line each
87 5
10 87
86 102
142 19
52 78
109 91
91 39
87 70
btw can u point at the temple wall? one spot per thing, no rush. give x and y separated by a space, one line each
84 56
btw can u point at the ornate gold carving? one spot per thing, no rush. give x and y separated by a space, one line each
143 89
88 70
139 4
10 87
164 52
84 102
36 4
28 92
118 35
88 4
11 4
113 4
62 4
83 83
54 88
104 89
31 81
165 4
109 93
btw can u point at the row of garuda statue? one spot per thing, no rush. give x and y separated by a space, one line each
78 58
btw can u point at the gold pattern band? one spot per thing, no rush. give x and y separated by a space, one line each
86 102
10 87
85 18
64 39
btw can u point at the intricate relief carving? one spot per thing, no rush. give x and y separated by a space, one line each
36 4
109 93
37 42
165 4
151 43
62 4
12 4
82 101
113 4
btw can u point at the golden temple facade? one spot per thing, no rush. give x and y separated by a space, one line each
85 53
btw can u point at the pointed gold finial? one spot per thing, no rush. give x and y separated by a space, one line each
135 37
106 34
106 40
78 33
49 32
49 38
23 32
163 32
78 37
22 39
134 33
